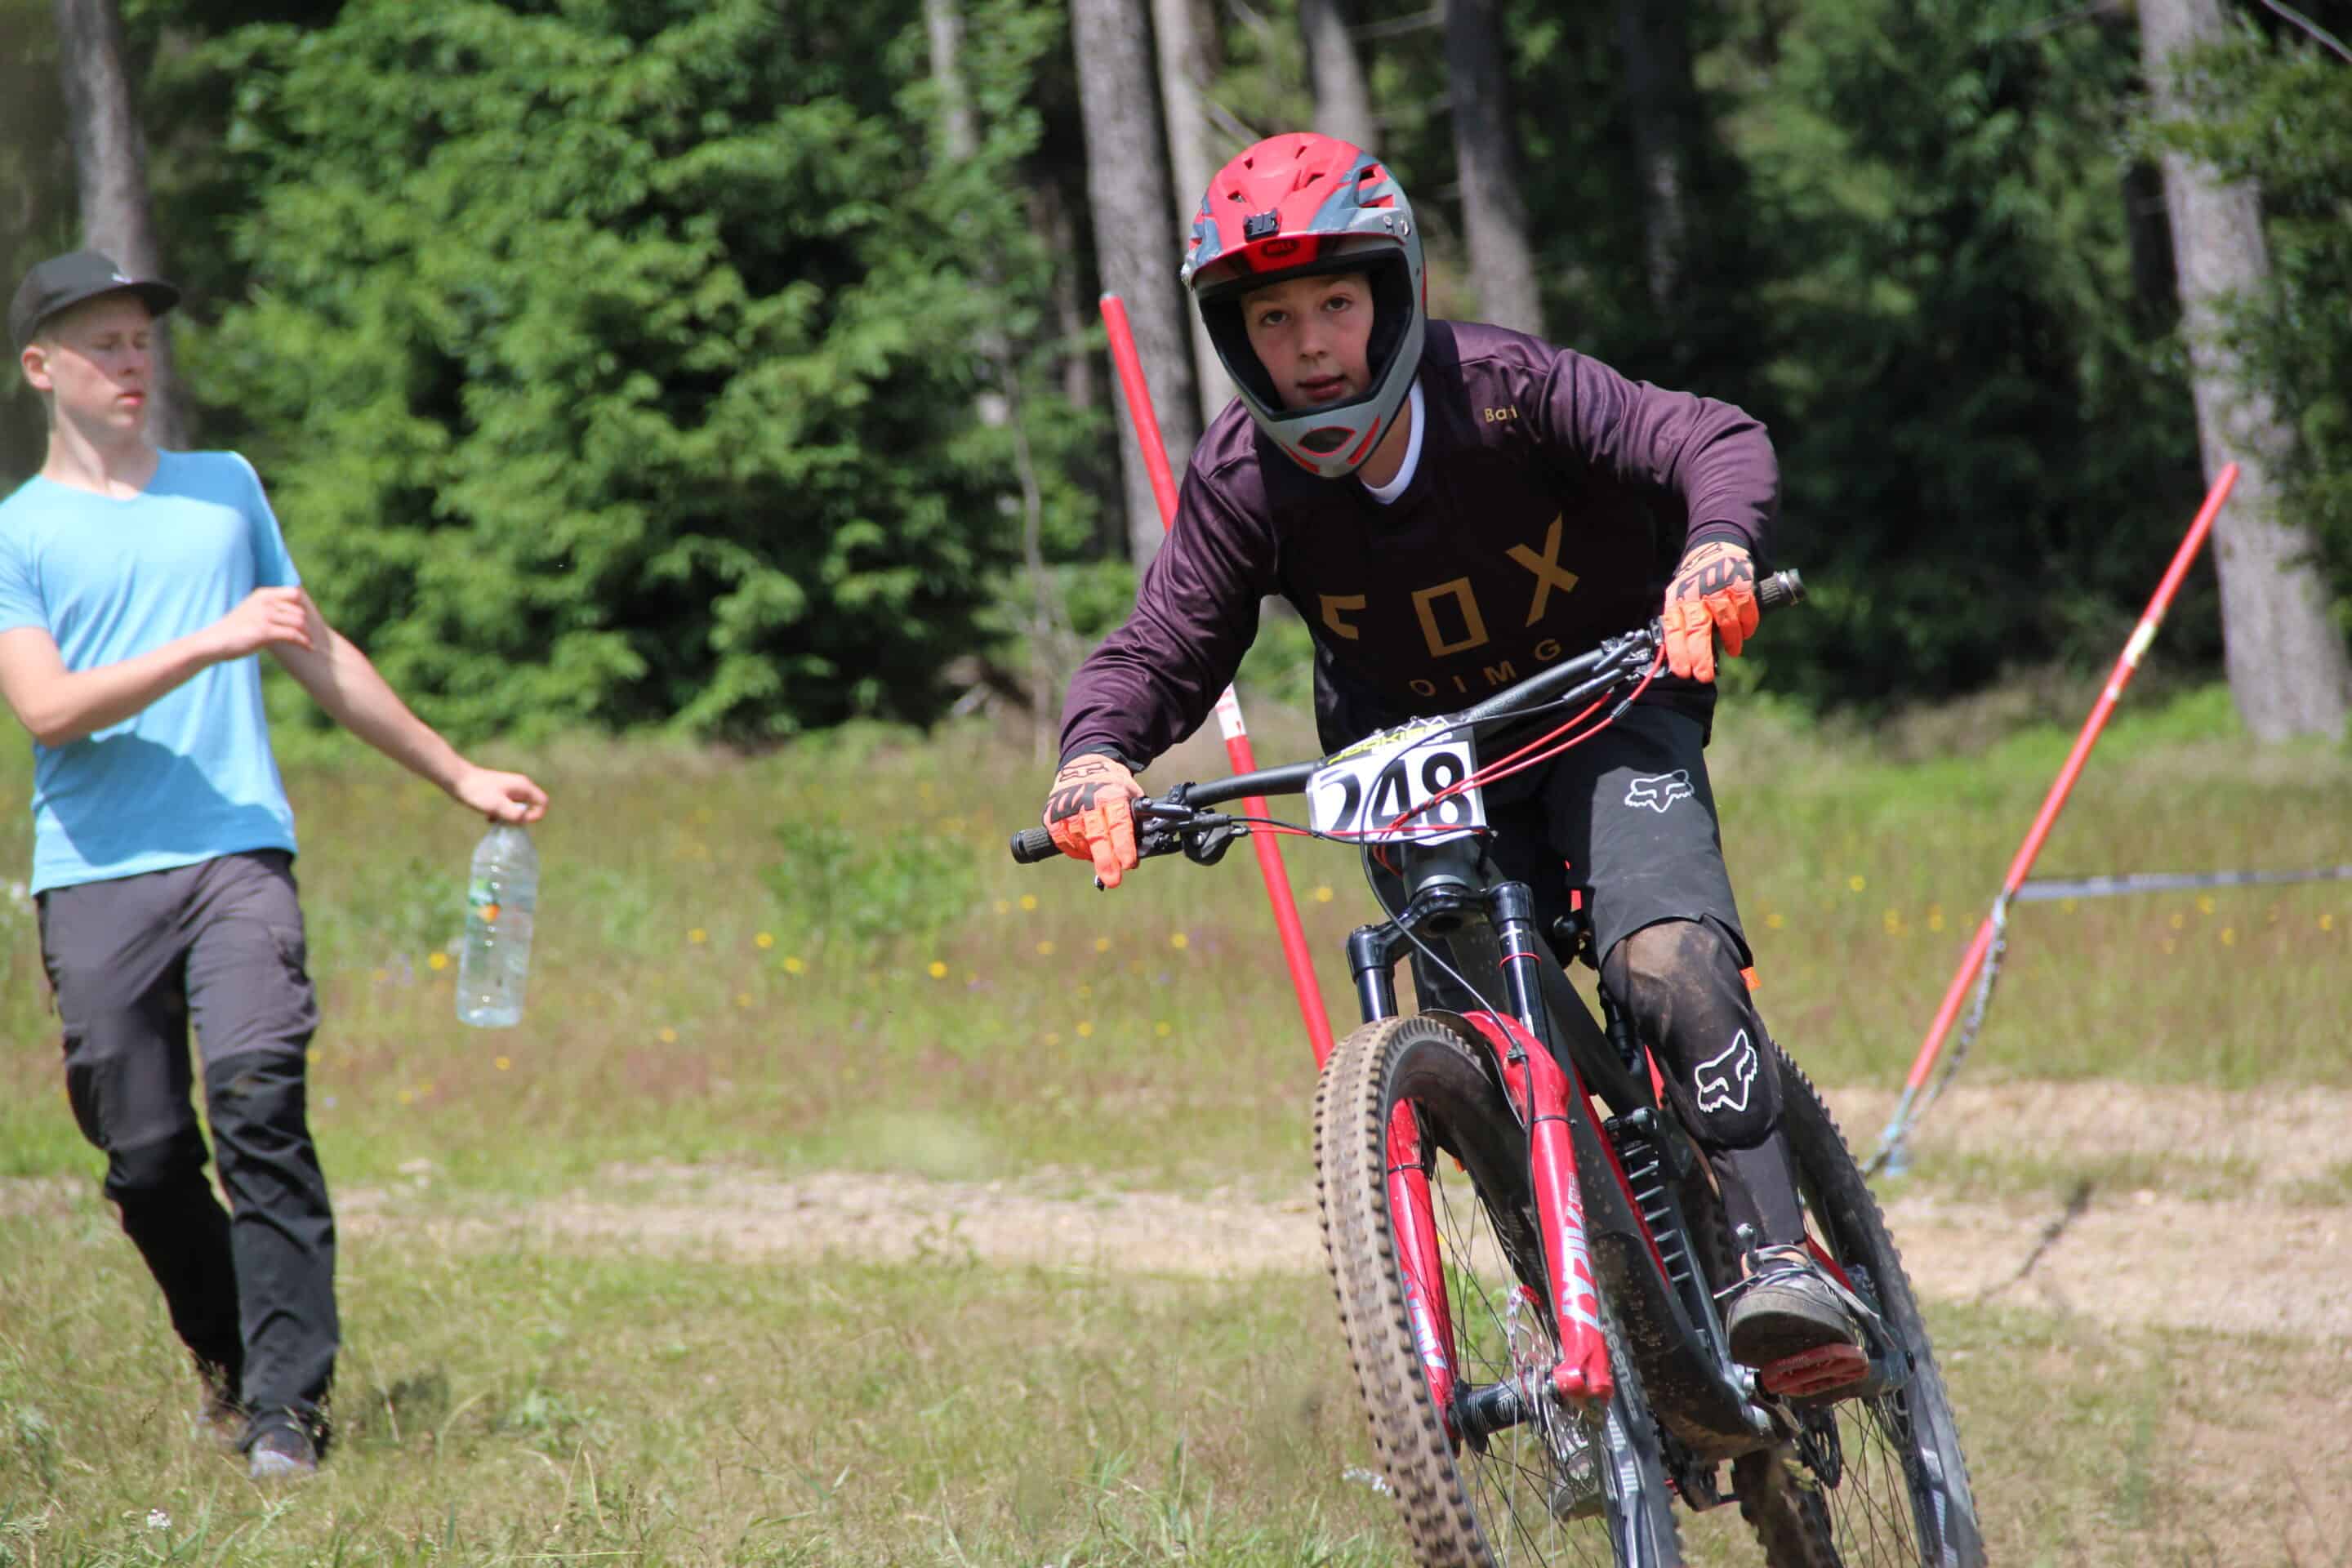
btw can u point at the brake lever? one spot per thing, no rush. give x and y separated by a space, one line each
1211 836
1168 826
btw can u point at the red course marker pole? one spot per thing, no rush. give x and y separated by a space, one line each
2142 635
1229 707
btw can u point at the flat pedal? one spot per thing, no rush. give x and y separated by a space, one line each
1827 1372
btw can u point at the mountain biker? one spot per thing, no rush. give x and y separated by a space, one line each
1451 506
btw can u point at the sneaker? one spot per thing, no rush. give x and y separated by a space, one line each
281 1453
1789 1315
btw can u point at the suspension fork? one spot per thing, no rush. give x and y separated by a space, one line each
1372 953
1415 1222
1544 1090
1541 1091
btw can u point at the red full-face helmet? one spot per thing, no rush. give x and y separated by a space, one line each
1291 207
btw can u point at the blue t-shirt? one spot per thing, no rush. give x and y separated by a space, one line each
190 776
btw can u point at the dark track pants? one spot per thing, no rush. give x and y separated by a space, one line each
132 962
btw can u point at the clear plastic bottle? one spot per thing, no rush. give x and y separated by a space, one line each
501 896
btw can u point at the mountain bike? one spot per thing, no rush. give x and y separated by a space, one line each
1527 1245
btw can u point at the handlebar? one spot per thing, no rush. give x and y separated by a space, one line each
1777 592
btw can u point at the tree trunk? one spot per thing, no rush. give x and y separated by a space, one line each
958 142
1185 67
1050 211
1052 650
958 132
1343 104
1136 248
2288 671
111 168
1654 37
1494 213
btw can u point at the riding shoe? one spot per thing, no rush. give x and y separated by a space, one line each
1787 1307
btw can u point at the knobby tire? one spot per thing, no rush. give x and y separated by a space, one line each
1464 1508
1901 1497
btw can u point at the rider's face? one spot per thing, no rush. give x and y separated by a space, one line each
95 359
1312 334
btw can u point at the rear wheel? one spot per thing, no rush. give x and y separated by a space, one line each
1876 1481
1566 1486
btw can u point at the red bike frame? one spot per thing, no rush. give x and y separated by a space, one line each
1425 1274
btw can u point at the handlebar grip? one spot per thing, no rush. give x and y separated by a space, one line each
1031 845
1779 591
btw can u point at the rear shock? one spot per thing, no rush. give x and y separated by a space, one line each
1640 1149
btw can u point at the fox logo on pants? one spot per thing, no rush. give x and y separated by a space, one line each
1722 1081
1660 790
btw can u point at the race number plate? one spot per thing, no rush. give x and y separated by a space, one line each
1397 775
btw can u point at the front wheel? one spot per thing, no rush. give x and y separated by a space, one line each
1565 1485
1868 1482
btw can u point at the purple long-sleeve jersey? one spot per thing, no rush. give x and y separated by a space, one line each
1550 505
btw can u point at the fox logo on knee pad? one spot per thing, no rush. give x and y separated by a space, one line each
1660 790
1724 1081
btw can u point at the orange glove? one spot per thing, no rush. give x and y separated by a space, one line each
1712 593
1089 817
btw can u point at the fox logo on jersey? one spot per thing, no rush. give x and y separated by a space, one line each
1660 790
1724 1081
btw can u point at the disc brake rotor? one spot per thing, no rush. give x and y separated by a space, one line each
1572 1436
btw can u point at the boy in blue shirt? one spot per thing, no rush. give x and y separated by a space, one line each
135 584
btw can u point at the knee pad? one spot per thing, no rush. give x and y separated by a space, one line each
1682 985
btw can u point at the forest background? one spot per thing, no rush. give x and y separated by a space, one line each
731 367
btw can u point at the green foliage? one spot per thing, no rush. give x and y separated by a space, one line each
1988 448
611 363
36 219
2272 110
621 365
858 891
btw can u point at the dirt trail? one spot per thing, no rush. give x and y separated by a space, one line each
2251 1262
2257 1237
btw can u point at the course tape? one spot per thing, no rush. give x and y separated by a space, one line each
2040 891
1893 1153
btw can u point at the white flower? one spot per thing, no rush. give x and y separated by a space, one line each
158 1520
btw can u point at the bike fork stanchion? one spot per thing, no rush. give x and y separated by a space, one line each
1890 1153
1538 1083
1229 708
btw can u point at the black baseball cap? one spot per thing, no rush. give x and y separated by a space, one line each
64 281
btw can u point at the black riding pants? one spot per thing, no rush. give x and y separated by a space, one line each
133 961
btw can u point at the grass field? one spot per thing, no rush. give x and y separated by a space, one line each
820 960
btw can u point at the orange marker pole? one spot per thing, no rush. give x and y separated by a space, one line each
2134 650
1229 705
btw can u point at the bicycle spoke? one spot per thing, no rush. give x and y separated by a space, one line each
1894 1494
1517 1476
